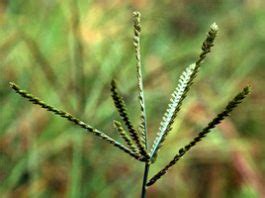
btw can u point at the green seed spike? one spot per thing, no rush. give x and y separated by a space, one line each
124 135
137 45
181 91
120 105
72 119
178 96
217 120
207 44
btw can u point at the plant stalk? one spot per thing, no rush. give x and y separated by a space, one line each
145 177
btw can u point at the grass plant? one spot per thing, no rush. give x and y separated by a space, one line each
136 137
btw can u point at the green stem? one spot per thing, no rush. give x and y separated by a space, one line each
145 177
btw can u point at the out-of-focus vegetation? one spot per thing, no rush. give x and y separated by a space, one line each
67 52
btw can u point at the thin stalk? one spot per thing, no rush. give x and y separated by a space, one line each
143 124
145 177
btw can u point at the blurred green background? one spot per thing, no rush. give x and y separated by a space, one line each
67 52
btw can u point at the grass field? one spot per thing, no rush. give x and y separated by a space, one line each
67 53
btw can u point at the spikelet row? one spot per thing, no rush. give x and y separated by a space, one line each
72 119
173 108
217 120
124 135
120 105
165 128
136 43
